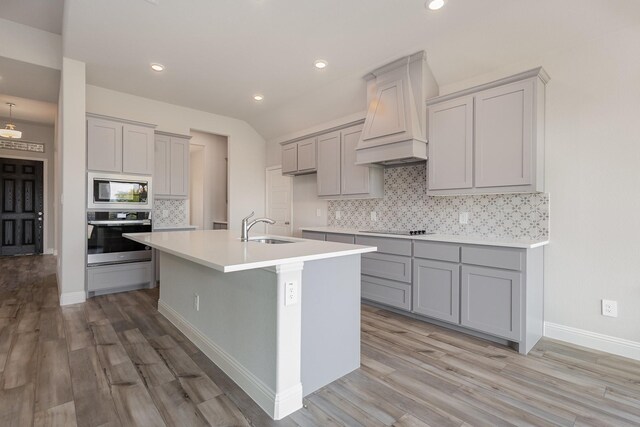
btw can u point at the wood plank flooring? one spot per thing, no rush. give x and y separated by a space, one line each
115 360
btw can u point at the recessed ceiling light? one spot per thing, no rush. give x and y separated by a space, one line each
434 4
258 97
320 64
157 67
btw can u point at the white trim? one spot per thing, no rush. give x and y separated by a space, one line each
596 341
276 405
45 198
69 298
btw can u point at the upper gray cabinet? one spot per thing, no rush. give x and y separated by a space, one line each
119 146
171 173
338 175
488 139
299 157
451 155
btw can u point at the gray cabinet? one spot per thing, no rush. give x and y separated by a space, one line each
451 144
104 145
299 157
338 175
491 301
504 135
313 235
355 178
436 289
329 164
388 292
392 267
171 172
490 138
137 149
341 238
119 146
117 278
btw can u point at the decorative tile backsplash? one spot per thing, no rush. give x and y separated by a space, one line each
406 206
177 210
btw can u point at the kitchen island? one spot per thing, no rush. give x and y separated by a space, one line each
282 320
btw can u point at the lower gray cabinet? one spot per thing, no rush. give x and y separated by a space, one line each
436 289
341 238
387 292
392 267
491 301
313 235
119 277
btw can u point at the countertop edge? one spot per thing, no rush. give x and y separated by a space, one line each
435 238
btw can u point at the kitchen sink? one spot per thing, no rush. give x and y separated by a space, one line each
269 241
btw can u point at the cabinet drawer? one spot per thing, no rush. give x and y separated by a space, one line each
341 238
313 235
118 276
392 267
387 292
507 258
386 246
438 251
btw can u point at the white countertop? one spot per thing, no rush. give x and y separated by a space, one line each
222 250
449 238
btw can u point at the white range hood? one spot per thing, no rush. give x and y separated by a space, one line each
395 130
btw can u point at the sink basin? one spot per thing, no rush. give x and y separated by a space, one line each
269 241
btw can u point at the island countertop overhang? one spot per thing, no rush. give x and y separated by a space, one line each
222 250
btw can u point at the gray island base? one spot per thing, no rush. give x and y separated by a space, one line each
281 331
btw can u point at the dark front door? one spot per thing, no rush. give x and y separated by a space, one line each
21 215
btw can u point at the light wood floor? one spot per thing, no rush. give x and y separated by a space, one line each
115 361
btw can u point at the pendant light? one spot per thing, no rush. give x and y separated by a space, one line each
9 130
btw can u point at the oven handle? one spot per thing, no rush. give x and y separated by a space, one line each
132 222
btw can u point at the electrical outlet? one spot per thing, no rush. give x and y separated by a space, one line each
463 217
609 308
318 212
374 216
338 214
165 213
290 293
196 302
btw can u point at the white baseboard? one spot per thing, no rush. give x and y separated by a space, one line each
277 405
68 298
606 343
49 251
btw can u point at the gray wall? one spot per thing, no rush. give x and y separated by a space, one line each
39 133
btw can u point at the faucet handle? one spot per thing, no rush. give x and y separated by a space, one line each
249 216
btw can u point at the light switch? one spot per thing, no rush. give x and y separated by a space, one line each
318 212
463 217
338 214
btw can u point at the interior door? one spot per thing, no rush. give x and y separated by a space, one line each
279 202
21 216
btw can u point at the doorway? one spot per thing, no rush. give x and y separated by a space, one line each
279 207
21 216
196 185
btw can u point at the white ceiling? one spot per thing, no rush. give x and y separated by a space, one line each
219 53
45 15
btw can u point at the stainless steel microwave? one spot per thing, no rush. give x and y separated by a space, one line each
115 191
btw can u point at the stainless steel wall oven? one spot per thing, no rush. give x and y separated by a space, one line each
105 243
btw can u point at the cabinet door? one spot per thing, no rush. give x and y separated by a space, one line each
355 178
104 145
491 301
162 165
504 135
179 176
436 289
329 164
290 158
137 149
451 145
307 155
387 292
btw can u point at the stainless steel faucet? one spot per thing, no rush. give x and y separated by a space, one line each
244 235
